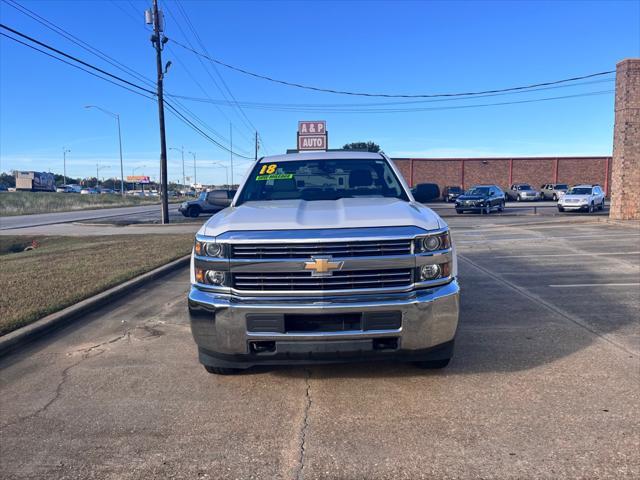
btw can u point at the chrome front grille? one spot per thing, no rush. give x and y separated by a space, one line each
335 249
340 280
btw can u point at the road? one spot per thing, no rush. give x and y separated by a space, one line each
544 383
132 213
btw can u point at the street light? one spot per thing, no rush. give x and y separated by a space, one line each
226 171
181 150
65 150
195 174
117 117
98 168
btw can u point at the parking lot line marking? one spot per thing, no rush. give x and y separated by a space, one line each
576 285
568 255
548 305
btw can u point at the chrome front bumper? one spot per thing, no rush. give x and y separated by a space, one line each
219 326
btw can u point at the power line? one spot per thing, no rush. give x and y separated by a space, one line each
385 95
100 54
75 59
74 66
244 117
77 41
202 64
310 106
184 119
425 109
104 72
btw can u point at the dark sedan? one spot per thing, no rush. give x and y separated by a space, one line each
481 198
451 192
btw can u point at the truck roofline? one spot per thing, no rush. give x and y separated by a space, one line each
330 155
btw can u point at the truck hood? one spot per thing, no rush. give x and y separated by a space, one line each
324 214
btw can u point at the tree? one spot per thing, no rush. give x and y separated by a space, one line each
362 146
8 179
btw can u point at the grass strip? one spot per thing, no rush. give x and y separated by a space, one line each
57 272
28 203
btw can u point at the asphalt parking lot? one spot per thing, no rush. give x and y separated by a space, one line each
544 383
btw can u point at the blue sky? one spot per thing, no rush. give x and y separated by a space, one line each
389 47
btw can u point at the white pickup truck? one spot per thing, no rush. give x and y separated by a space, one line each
323 257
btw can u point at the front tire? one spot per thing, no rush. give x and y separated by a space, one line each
501 206
458 211
488 210
555 197
222 370
591 208
193 212
518 198
602 205
560 209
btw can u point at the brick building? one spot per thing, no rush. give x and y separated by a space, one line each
536 171
625 201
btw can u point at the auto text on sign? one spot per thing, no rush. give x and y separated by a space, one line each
312 142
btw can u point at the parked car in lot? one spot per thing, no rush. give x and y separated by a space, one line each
582 198
207 202
451 192
71 188
426 192
481 198
323 257
553 191
89 191
521 192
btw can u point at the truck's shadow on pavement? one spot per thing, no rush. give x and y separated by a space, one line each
500 330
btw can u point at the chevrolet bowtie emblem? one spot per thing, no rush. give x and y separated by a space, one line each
322 267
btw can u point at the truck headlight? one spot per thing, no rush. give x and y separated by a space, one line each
434 271
210 277
215 277
432 243
209 249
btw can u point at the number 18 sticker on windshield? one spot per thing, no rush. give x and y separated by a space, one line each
268 172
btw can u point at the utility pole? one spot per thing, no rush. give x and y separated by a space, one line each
181 150
256 153
121 166
231 151
195 172
117 117
183 177
158 40
65 150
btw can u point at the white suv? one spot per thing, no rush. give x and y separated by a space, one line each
582 197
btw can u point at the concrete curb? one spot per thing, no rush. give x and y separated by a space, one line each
24 335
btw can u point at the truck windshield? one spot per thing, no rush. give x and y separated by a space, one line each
321 180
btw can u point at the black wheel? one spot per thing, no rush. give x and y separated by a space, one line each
591 208
501 206
602 205
222 370
433 364
560 209
458 211
555 197
193 212
518 199
488 210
